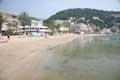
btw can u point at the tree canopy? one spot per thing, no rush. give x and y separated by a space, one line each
25 19
1 21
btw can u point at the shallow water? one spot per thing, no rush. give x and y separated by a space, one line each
85 58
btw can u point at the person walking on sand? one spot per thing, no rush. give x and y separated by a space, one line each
8 36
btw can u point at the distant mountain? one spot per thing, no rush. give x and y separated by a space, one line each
34 18
98 17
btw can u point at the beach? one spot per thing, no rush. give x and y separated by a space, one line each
19 57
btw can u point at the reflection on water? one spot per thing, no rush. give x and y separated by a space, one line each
85 58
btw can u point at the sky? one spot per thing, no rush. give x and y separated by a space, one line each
45 8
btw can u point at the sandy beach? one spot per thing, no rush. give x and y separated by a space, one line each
20 56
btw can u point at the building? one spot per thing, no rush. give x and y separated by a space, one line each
11 22
106 31
80 28
116 28
64 29
37 28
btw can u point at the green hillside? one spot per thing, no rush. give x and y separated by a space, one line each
106 18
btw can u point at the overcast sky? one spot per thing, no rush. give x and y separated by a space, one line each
45 8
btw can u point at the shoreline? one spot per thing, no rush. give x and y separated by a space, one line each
19 52
20 55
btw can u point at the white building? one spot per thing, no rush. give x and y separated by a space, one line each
64 29
36 26
82 28
97 18
106 31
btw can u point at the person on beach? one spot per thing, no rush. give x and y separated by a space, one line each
24 34
8 35
0 35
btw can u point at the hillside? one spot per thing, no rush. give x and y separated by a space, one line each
98 17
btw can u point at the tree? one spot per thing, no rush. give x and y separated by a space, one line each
25 19
52 26
67 25
11 25
117 20
2 20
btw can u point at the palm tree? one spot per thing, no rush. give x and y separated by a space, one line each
2 20
25 19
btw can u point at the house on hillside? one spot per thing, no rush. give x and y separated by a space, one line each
81 28
106 31
116 28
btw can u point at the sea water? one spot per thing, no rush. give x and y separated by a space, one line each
85 58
